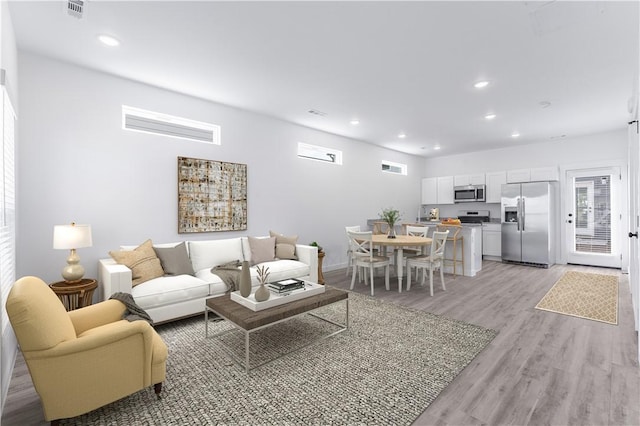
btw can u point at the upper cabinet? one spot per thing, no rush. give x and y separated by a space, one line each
445 190
463 180
430 191
521 175
494 186
539 174
543 174
437 190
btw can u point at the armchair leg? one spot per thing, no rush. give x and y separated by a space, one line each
55 422
157 388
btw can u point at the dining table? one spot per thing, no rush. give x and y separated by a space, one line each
398 244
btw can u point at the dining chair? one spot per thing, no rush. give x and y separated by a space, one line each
362 246
432 261
418 231
355 228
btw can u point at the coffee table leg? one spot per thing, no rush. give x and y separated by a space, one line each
246 354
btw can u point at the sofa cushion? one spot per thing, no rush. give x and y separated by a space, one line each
216 285
285 246
168 290
174 260
210 253
262 249
142 261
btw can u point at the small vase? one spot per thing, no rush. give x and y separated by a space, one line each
245 280
262 293
392 231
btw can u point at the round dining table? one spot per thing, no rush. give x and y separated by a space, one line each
398 245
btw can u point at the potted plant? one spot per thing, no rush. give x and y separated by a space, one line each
391 217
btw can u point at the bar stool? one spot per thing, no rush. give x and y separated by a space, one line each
454 236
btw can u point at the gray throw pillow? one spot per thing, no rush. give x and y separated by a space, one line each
262 249
175 260
285 246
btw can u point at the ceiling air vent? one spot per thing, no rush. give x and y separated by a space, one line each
75 8
140 120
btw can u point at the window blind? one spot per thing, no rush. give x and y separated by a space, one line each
7 204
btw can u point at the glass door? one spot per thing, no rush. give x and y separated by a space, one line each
592 222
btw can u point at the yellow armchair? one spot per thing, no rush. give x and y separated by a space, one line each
83 359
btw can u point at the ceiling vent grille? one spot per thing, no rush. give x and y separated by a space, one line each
140 120
75 8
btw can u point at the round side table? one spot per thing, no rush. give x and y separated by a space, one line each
75 295
320 275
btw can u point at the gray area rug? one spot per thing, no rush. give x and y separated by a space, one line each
386 369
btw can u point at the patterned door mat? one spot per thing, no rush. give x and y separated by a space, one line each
584 295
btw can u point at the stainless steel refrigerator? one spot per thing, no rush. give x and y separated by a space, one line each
528 219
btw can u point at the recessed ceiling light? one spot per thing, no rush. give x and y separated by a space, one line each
355 122
437 147
481 84
515 135
402 136
108 40
490 116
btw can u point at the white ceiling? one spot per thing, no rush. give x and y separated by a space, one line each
396 66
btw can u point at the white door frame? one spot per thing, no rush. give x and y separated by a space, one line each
622 206
634 221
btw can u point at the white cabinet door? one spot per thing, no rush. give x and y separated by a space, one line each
543 174
429 191
494 186
445 190
464 180
477 179
516 176
491 241
461 180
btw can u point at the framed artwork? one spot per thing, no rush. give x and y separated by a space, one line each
212 196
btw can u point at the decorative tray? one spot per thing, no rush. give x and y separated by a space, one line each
310 289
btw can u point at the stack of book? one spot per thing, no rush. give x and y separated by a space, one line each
285 287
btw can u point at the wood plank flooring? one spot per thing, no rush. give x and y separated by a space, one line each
541 369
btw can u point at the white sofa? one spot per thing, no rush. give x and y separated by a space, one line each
172 297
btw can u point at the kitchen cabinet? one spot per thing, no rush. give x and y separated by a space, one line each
544 174
492 241
445 190
437 190
517 176
430 191
464 180
495 180
538 174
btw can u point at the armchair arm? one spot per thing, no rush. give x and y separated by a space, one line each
93 316
309 255
113 277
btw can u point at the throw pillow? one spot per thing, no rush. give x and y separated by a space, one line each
262 249
285 246
142 261
175 260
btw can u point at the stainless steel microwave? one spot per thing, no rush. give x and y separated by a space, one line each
469 193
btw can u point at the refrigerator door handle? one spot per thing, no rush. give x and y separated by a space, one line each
523 213
518 217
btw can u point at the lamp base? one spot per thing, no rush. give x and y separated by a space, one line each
73 272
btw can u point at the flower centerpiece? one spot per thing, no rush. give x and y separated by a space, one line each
262 293
391 217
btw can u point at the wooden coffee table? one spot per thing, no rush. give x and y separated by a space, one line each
249 321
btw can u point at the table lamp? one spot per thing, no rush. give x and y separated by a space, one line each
72 237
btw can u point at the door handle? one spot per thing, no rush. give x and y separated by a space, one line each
631 235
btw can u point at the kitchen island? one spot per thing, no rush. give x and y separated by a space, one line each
471 234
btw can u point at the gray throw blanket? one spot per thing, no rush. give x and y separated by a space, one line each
229 273
133 311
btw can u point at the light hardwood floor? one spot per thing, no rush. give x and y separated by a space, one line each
541 369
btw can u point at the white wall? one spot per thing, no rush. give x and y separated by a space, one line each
77 164
580 149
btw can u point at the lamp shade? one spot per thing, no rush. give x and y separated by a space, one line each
71 236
